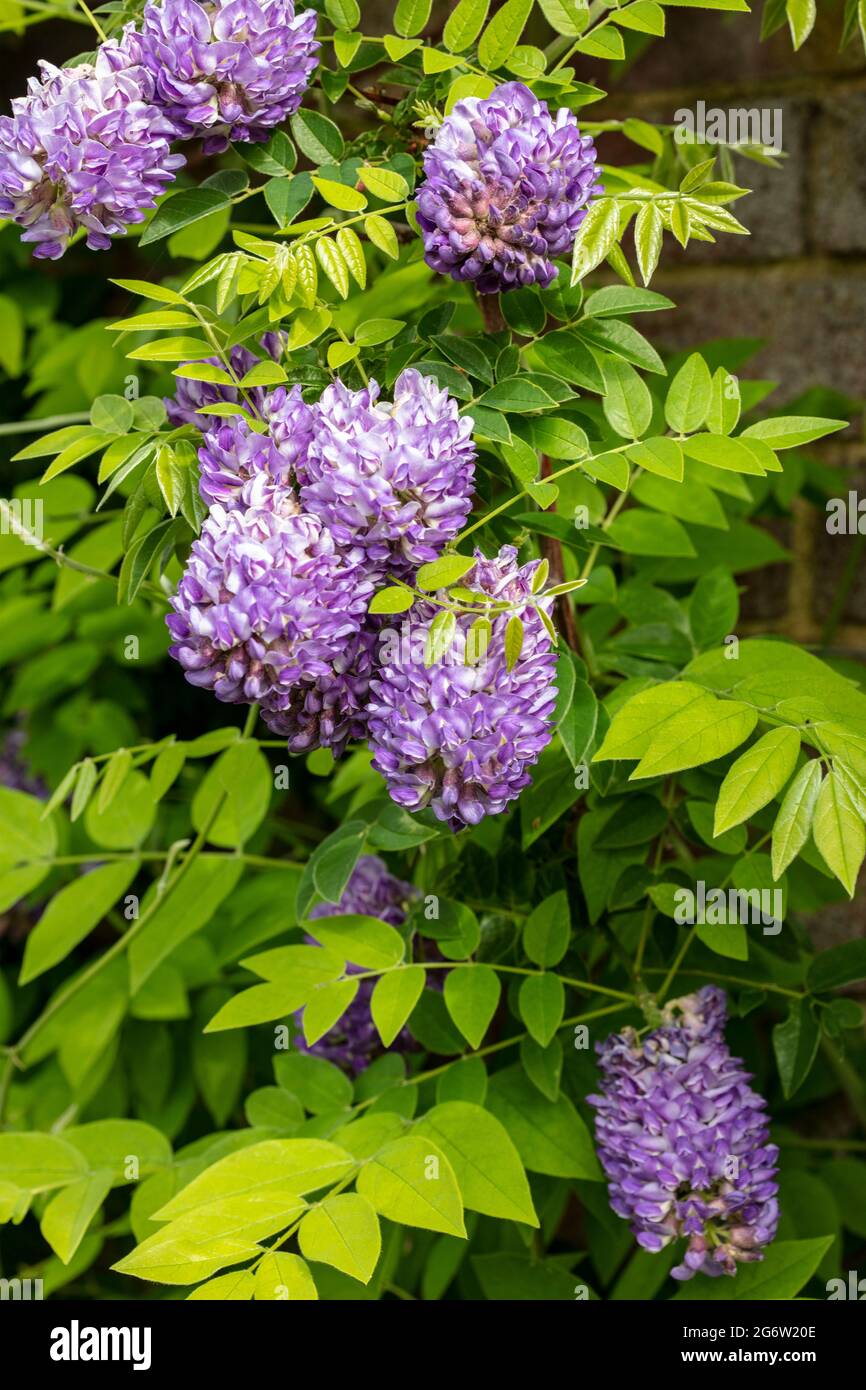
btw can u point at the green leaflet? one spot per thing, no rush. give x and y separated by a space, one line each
689 396
756 777
549 1135
794 821
394 997
485 1161
838 831
411 1181
344 1232
471 996
547 931
676 726
283 1278
72 914
542 1005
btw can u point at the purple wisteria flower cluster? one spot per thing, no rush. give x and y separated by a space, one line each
312 508
684 1140
460 735
89 147
371 892
506 188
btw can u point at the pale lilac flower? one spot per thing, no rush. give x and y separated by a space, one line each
85 148
392 480
265 602
506 188
234 452
684 1140
461 737
229 69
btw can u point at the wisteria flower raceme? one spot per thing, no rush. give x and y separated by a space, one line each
371 892
85 148
230 69
266 601
506 187
191 397
393 481
233 453
684 1141
329 711
460 737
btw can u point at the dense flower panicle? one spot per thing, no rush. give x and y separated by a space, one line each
329 711
684 1140
460 737
265 602
371 892
393 481
228 69
85 148
192 396
233 453
506 187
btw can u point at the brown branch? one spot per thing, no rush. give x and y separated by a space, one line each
491 312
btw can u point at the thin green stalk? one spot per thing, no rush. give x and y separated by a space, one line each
584 986
91 18
734 980
47 422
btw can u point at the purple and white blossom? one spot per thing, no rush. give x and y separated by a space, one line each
329 710
86 148
234 453
229 69
458 736
506 188
392 480
684 1140
266 600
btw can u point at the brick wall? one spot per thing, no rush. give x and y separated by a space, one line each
798 282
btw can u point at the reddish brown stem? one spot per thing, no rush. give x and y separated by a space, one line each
491 312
